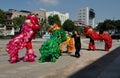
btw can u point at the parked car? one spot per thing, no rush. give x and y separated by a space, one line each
3 34
115 36
46 35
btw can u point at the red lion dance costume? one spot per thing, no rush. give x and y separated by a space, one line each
93 35
23 40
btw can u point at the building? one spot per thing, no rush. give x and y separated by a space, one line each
86 16
78 23
12 13
63 16
41 14
15 13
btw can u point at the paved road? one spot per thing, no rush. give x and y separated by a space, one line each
66 66
93 64
26 69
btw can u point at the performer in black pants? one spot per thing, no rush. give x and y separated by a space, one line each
77 43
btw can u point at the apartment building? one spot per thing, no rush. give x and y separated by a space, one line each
63 16
86 16
12 13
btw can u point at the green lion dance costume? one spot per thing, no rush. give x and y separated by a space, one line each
50 50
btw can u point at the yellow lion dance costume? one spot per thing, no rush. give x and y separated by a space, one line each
69 43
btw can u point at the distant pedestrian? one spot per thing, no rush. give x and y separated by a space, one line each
77 43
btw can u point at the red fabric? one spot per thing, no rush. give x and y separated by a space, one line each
28 16
95 36
29 46
36 27
92 45
34 21
107 39
91 33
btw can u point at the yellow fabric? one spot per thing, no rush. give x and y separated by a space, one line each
69 43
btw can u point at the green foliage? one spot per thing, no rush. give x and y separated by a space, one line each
18 21
43 27
50 20
117 25
68 25
79 29
54 19
3 17
109 25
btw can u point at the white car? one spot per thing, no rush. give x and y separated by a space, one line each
46 35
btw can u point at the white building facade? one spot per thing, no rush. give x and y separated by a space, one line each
63 16
86 16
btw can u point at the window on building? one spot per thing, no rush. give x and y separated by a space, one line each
83 13
79 14
84 19
83 16
83 9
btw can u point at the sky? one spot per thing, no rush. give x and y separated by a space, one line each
104 9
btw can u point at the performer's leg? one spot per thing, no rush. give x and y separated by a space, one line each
106 47
42 59
77 54
69 49
26 58
14 57
52 58
29 56
61 46
93 45
90 46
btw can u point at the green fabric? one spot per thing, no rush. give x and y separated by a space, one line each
50 48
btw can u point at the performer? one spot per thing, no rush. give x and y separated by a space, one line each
23 40
77 42
69 43
50 48
93 35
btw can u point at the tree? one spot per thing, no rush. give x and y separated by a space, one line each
3 17
50 20
99 26
110 25
43 26
68 25
117 25
54 19
106 25
18 21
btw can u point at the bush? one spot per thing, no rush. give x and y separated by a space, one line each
6 37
